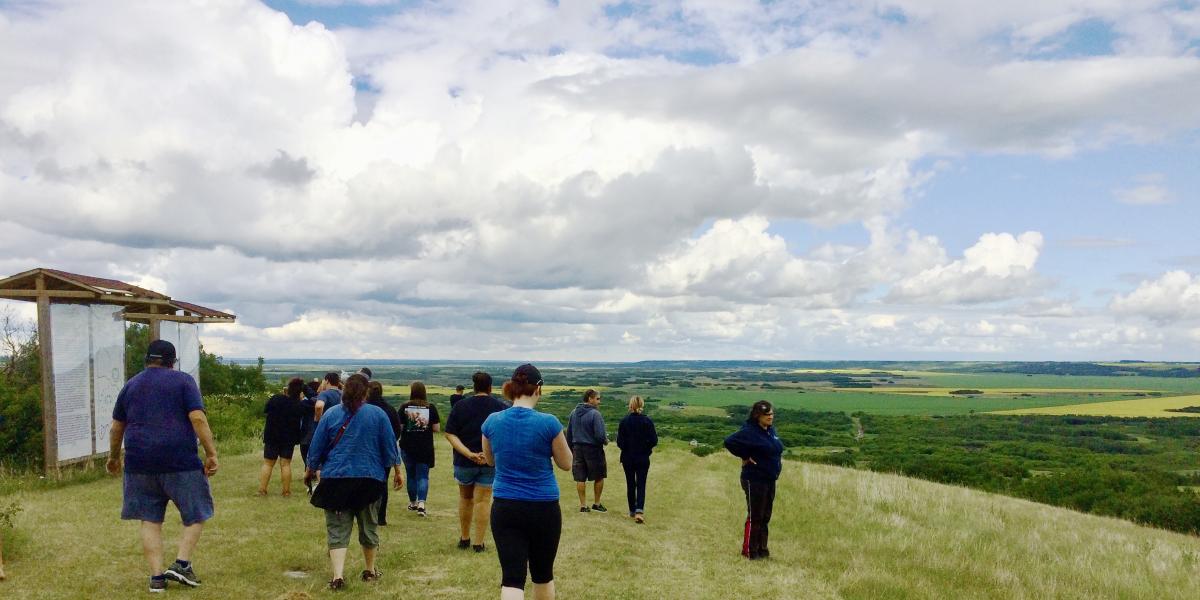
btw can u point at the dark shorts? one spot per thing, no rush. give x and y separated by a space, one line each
274 451
589 464
146 496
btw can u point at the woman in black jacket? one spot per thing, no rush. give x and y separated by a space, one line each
762 460
635 437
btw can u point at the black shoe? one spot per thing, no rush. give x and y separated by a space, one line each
584 509
478 548
158 585
464 544
371 575
599 508
337 584
412 507
181 574
421 511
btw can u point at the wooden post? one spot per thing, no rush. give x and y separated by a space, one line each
155 325
49 410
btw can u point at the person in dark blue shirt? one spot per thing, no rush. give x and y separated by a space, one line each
636 437
158 416
526 521
762 460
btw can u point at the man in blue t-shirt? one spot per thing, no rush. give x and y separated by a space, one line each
159 416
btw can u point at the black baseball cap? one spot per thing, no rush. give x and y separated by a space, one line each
161 350
531 373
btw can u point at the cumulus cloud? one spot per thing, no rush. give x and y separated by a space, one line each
997 267
592 178
1173 297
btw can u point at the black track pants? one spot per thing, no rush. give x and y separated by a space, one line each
760 497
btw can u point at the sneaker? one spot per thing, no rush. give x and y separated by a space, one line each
158 585
181 574
412 507
371 575
584 509
421 511
599 508
464 544
337 584
478 548
639 519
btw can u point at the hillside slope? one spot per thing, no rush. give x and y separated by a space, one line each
837 533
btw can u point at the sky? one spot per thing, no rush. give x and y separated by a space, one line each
588 180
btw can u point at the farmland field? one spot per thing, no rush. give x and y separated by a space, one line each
1141 407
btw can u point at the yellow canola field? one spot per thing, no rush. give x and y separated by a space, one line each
945 391
1141 407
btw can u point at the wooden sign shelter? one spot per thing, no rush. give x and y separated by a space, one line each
111 299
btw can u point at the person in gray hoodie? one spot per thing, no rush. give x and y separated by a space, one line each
587 437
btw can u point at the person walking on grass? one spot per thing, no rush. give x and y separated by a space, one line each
761 452
353 448
328 395
419 420
526 521
375 398
456 396
471 471
281 432
587 437
636 437
159 415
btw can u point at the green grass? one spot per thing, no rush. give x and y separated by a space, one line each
836 533
851 400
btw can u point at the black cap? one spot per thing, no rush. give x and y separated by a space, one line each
366 371
161 350
527 373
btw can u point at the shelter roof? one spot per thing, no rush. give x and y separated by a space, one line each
140 303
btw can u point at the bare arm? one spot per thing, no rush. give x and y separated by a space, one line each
561 452
204 433
488 457
318 410
462 449
115 437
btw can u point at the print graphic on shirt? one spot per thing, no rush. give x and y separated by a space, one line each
416 418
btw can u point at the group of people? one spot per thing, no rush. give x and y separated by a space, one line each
353 442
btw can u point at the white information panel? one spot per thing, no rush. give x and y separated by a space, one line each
186 339
108 367
70 341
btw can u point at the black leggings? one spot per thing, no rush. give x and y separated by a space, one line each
526 534
635 485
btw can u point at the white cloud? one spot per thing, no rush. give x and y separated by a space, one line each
542 168
997 267
1173 297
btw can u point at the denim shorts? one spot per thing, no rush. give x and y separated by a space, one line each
146 496
474 475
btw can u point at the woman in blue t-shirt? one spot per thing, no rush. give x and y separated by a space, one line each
526 522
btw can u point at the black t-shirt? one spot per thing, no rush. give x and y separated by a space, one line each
466 420
454 398
392 416
416 432
285 421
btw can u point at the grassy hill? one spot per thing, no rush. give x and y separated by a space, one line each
837 533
